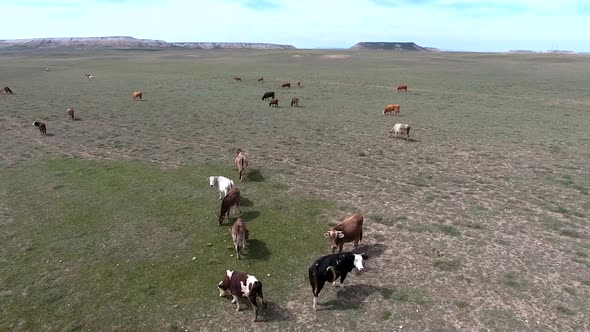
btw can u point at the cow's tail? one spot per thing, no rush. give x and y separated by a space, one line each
258 287
242 168
313 278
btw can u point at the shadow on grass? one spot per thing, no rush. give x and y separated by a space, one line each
250 215
50 134
351 297
245 202
257 249
77 119
371 250
275 313
254 176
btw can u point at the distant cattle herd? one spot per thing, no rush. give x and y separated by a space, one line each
329 268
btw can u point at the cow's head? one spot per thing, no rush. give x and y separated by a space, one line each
238 151
213 181
223 285
358 261
334 237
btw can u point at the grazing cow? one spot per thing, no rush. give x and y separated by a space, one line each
241 162
274 102
261 79
42 127
402 87
299 83
239 284
239 233
231 200
89 76
237 78
137 94
348 230
286 85
222 184
391 108
400 129
295 101
267 95
7 90
331 267
46 69
70 113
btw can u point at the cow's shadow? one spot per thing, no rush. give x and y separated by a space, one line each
245 202
77 119
275 313
257 250
250 215
410 140
254 176
352 297
371 250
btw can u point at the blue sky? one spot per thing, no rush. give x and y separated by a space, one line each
461 25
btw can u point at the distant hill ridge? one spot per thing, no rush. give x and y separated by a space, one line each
124 42
394 46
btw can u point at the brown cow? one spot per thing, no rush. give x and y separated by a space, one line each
391 108
295 101
402 87
237 78
70 113
286 85
239 234
299 83
240 284
274 102
241 162
231 200
261 79
7 90
42 127
137 94
348 230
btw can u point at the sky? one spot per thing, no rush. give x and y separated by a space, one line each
454 25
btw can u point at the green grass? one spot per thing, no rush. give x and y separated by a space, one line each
129 244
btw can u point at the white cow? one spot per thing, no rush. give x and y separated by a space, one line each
400 129
222 184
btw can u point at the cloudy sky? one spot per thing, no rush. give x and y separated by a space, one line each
461 25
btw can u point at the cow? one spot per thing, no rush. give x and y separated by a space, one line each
391 108
261 79
295 101
89 76
267 95
239 234
137 94
42 127
274 102
46 69
239 284
241 162
286 85
231 200
400 129
348 230
299 83
7 90
238 78
331 267
70 113
222 184
402 87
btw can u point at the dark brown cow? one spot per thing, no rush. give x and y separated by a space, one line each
239 234
267 95
274 102
231 200
391 108
137 94
241 162
286 85
295 101
7 90
237 78
42 127
239 284
299 83
402 87
261 79
348 230
70 113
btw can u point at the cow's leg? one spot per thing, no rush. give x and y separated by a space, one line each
342 277
252 298
236 301
316 292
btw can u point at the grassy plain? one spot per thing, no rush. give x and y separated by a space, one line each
479 222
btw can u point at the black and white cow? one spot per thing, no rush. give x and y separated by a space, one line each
240 284
330 268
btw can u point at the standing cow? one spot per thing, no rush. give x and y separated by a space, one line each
137 95
391 108
70 113
42 127
240 284
348 230
222 184
286 85
274 102
239 234
402 87
7 90
241 162
331 267
295 101
267 95
229 202
400 129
